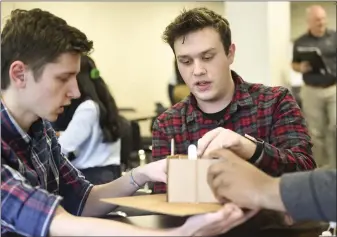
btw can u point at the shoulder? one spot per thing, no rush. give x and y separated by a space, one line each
301 38
331 31
88 104
268 95
175 114
90 108
176 111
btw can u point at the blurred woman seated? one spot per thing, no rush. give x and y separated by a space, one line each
90 128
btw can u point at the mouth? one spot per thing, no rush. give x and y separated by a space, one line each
203 85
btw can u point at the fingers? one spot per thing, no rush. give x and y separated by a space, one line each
220 187
245 217
227 224
224 154
204 142
214 170
201 225
162 177
222 221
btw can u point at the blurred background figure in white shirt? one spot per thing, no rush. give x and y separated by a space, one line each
90 128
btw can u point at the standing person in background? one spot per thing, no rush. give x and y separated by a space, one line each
318 93
92 137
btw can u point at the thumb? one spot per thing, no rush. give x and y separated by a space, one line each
204 142
162 177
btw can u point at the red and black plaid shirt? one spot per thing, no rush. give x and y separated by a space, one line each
267 113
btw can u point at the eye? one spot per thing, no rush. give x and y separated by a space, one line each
185 61
207 57
63 79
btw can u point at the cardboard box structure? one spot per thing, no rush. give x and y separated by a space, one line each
187 180
157 203
188 192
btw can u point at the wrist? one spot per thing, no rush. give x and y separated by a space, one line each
270 196
245 149
140 175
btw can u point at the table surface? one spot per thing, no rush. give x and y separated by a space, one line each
307 229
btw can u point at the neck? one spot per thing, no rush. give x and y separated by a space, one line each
23 117
214 106
318 33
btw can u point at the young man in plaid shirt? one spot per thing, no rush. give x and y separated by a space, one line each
42 193
264 125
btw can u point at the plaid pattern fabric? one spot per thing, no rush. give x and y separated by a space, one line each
267 113
35 178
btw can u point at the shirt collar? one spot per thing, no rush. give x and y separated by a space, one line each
12 130
326 34
241 98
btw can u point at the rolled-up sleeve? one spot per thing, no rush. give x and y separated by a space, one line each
73 187
22 205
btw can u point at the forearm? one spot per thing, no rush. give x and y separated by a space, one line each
270 195
275 161
64 224
118 188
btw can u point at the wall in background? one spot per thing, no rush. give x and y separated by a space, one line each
129 51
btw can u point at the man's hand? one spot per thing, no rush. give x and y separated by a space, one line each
228 217
305 67
302 67
216 223
235 179
154 171
224 138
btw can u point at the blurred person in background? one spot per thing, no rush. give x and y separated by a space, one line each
92 138
318 94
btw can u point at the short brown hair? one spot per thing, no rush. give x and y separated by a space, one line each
197 19
36 38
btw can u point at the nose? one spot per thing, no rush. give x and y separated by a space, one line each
199 68
74 91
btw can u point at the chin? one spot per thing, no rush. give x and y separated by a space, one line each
205 96
51 117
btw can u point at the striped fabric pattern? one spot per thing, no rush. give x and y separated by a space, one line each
35 178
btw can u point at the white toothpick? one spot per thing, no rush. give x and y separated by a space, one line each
192 152
172 147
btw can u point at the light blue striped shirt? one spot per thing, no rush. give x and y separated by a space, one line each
84 137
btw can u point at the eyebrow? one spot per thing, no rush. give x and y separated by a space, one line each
201 53
68 73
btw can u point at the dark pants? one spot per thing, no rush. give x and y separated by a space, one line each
102 175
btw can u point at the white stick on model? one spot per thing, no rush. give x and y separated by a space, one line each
172 147
192 152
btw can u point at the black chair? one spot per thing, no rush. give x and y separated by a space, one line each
126 142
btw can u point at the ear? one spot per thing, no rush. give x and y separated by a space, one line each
231 53
17 72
